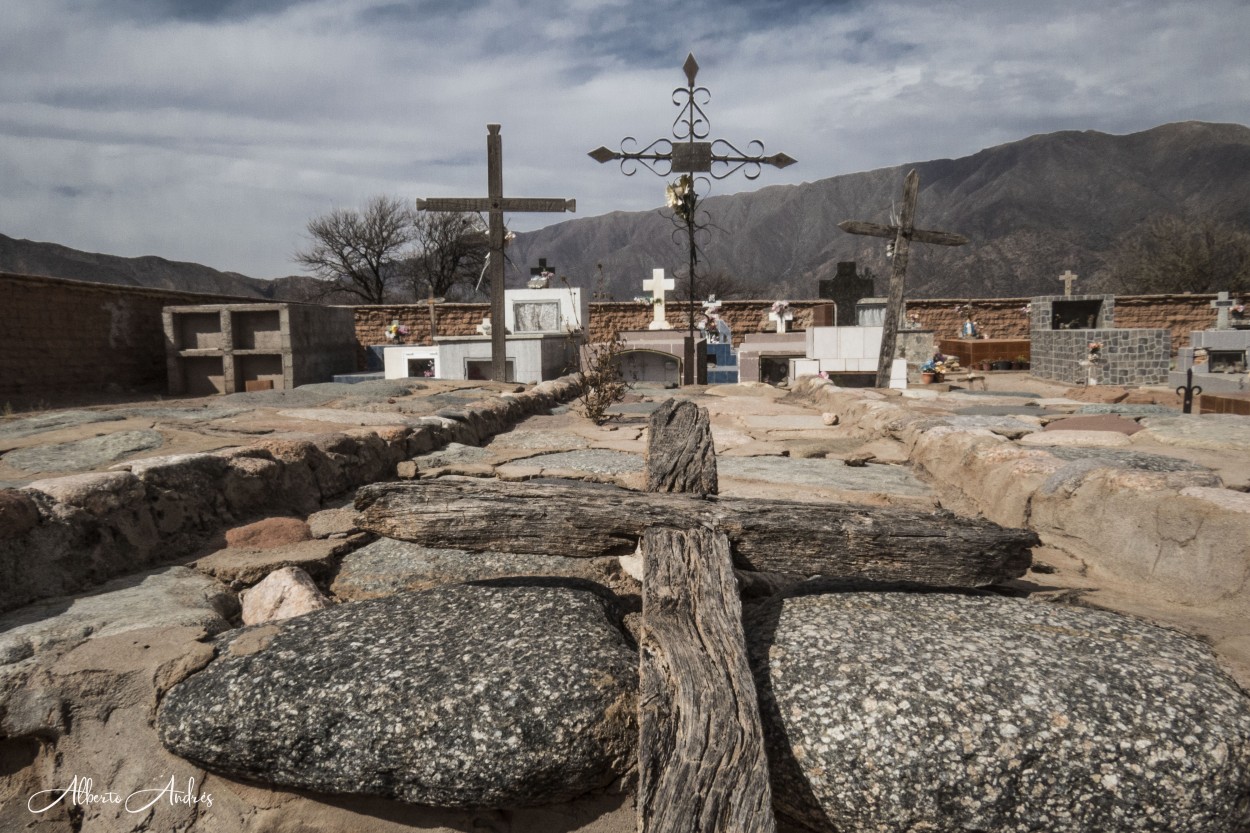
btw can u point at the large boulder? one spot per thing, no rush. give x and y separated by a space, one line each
462 696
946 712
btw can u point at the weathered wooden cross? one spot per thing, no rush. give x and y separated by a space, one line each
430 302
701 755
495 205
1067 277
903 234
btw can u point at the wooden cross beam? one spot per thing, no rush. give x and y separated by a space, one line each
903 234
701 752
495 205
429 303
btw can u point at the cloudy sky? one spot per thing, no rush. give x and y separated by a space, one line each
212 130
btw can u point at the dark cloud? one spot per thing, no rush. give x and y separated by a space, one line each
202 11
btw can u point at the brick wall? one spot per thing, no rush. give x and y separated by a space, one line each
62 339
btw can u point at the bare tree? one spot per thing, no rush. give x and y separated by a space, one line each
450 252
722 284
357 251
1173 254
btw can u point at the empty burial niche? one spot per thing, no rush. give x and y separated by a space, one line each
199 331
480 369
418 368
1075 315
257 329
775 369
854 380
203 375
261 368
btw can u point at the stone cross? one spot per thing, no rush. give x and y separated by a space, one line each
1067 277
903 234
495 205
657 286
1222 305
781 317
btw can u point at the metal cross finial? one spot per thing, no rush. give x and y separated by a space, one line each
689 154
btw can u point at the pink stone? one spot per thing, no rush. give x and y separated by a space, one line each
284 593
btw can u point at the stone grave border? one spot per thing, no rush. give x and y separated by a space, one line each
67 534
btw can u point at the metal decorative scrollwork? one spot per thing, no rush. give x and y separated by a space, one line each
690 128
691 123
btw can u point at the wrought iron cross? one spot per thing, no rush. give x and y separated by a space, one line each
495 204
903 234
692 154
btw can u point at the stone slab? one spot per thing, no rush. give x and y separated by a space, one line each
1096 422
1075 439
827 473
594 460
1210 431
11 429
82 455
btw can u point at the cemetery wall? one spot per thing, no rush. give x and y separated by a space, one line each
61 338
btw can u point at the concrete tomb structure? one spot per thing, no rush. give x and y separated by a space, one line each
231 348
1220 358
1074 339
545 329
661 354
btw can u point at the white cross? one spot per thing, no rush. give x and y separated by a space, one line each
1067 278
781 318
657 286
484 327
1222 305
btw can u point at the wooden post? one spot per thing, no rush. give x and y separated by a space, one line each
680 453
702 765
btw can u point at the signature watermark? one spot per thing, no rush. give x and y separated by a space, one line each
82 792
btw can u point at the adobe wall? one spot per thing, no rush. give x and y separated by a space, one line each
60 338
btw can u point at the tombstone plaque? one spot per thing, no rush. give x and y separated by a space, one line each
537 316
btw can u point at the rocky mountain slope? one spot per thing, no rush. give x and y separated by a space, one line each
27 257
1031 208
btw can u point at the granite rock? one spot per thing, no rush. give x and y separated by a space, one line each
387 567
282 594
463 696
944 712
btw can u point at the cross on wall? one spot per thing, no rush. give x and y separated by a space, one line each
1067 277
657 285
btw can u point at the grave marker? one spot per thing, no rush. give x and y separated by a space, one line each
1222 304
903 234
657 285
495 204
1067 277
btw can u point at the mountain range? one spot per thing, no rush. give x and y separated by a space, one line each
1031 210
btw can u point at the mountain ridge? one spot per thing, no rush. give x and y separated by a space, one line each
1032 208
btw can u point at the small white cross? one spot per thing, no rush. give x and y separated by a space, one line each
781 318
657 286
484 327
1067 278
